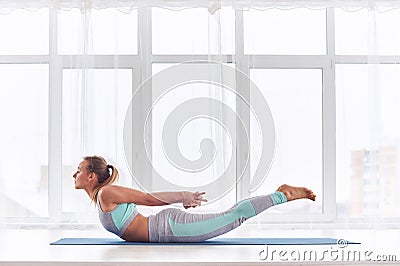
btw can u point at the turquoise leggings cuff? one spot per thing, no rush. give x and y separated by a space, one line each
278 197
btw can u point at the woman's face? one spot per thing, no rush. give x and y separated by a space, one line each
81 177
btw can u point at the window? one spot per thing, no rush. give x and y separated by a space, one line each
367 163
193 31
295 32
191 136
363 32
328 75
295 99
93 117
24 142
104 31
28 34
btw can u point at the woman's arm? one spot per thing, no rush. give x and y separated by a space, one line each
118 194
188 199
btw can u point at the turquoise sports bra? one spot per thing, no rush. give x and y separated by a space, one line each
118 220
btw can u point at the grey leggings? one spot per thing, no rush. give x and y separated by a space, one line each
175 225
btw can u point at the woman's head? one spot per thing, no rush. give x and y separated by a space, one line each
96 170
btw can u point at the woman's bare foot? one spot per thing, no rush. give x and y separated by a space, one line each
293 193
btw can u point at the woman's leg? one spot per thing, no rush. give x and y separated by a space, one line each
174 225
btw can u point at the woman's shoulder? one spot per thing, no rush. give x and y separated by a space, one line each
121 194
105 197
107 191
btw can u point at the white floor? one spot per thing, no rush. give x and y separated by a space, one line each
31 247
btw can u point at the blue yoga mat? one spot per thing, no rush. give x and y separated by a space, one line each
215 241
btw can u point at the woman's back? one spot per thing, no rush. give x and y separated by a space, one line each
123 219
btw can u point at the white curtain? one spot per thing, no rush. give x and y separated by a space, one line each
100 98
213 5
98 59
101 56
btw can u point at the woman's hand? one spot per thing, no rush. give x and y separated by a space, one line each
192 200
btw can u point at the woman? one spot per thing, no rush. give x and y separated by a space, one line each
118 213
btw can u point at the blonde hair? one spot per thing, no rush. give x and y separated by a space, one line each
99 166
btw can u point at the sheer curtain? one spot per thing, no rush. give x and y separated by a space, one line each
81 62
98 96
212 5
367 104
96 59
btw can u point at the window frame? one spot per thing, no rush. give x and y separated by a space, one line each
141 66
